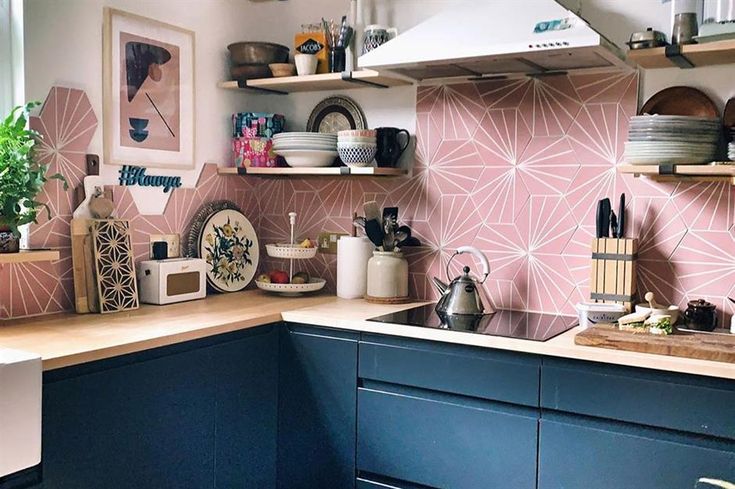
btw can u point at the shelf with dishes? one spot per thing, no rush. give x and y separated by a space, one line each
714 172
320 82
328 171
685 56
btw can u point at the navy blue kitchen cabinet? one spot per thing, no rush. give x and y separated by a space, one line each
317 404
582 453
446 416
196 415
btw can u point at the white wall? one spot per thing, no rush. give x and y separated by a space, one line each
63 46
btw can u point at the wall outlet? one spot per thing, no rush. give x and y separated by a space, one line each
173 241
328 242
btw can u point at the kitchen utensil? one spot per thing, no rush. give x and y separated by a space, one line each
603 218
335 114
282 69
702 346
613 224
681 101
250 72
598 220
671 310
647 39
373 226
387 276
306 64
353 255
261 53
700 315
685 28
372 211
359 222
390 148
337 60
464 294
651 299
621 217
117 288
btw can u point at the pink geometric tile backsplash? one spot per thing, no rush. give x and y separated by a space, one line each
514 167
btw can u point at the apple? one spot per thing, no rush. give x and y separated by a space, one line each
307 243
263 278
279 277
300 278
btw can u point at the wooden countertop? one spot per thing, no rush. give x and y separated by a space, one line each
69 339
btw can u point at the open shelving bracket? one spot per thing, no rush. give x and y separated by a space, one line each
347 76
674 53
244 84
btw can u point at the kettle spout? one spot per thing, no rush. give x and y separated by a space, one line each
439 285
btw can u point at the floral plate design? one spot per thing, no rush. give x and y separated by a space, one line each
230 247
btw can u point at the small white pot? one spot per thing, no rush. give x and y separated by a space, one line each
305 64
387 275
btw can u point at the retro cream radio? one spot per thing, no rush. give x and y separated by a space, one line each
172 280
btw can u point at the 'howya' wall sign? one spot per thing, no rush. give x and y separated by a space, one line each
135 175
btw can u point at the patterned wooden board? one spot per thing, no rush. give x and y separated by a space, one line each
114 264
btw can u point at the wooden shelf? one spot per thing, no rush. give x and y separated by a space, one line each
678 173
332 170
27 256
315 83
686 56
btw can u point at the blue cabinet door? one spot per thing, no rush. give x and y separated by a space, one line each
316 408
444 441
147 424
245 373
582 453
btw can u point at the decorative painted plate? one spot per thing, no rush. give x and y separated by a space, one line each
230 247
334 114
197 223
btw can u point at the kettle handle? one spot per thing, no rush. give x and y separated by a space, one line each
477 254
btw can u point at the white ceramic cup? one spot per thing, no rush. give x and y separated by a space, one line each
305 64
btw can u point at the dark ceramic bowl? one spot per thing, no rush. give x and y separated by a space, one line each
250 72
257 53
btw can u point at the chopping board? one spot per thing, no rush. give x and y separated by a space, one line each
85 286
702 346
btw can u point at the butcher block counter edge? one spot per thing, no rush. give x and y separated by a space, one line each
69 339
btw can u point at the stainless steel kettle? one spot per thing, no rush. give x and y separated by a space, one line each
464 294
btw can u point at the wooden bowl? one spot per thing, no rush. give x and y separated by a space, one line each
282 69
681 101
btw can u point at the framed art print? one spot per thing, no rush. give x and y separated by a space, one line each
148 92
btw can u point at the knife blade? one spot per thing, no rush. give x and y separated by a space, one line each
621 217
613 224
605 221
598 220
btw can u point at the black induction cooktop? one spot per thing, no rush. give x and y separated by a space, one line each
512 324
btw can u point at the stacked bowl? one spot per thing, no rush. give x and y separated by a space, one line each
306 149
731 145
672 139
357 148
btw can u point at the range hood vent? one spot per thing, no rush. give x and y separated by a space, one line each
488 38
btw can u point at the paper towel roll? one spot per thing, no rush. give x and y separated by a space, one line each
352 259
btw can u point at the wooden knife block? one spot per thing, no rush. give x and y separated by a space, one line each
613 272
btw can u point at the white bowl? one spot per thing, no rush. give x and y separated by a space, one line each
672 311
358 156
283 250
356 139
307 158
293 289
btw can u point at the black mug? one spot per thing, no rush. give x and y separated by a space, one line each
390 148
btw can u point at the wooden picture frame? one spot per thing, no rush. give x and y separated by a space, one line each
149 92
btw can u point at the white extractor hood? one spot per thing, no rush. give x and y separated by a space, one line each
487 38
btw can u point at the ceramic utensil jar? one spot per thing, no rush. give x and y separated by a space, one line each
387 275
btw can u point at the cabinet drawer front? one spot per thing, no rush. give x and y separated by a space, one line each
438 442
477 372
579 454
680 402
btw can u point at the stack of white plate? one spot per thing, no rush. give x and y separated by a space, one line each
662 139
731 151
306 149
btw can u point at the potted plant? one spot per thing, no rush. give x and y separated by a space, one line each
21 177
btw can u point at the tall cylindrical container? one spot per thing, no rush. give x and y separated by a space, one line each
353 255
387 275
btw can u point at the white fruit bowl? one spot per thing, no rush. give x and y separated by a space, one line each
293 290
288 251
307 158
